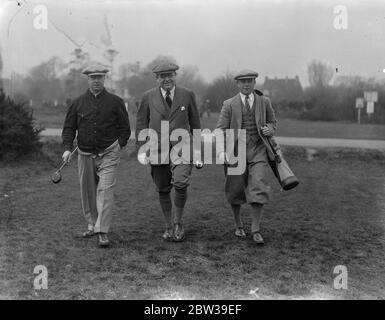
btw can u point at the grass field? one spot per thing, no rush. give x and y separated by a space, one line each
286 127
336 216
319 129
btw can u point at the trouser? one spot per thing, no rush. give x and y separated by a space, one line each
251 186
168 175
97 175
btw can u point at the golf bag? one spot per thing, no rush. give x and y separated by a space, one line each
281 169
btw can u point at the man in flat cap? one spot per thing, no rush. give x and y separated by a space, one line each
251 111
101 122
175 106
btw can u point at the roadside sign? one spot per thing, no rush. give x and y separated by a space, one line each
370 107
371 96
359 102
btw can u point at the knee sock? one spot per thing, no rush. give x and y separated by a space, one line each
179 201
256 217
180 197
166 205
237 215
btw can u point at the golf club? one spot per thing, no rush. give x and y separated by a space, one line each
56 176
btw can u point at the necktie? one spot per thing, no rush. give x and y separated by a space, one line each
168 99
247 105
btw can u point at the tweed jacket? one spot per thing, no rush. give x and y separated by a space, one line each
231 118
153 109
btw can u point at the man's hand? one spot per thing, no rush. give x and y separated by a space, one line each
223 157
142 158
267 132
67 155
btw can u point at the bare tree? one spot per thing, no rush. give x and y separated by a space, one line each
136 79
222 88
140 78
320 73
49 70
128 69
189 77
44 83
80 59
110 55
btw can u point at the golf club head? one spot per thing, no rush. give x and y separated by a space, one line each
56 177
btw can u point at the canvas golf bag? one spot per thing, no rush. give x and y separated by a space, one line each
280 167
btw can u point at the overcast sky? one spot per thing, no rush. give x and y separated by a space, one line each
275 38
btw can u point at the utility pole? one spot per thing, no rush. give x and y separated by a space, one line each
359 106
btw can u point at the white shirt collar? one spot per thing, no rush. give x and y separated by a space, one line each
172 93
95 95
251 98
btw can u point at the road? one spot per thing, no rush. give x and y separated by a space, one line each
293 141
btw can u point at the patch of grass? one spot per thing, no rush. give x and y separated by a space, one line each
335 216
55 118
318 129
329 129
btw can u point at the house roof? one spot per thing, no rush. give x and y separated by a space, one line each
283 89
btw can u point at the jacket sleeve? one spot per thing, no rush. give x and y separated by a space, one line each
124 129
142 119
70 127
195 122
271 121
222 125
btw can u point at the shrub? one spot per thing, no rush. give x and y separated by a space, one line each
289 109
18 136
321 104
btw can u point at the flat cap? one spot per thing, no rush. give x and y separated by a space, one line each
165 68
95 69
246 74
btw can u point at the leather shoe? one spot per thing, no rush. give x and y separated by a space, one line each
90 232
103 240
240 232
178 232
168 234
257 238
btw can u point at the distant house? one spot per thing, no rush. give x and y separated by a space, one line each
285 89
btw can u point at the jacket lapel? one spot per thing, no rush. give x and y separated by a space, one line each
258 109
176 102
158 103
237 109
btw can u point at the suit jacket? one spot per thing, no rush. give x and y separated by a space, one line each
231 118
153 109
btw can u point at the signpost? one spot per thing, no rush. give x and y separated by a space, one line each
371 97
370 107
359 106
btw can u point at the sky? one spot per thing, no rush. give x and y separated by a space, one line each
274 38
